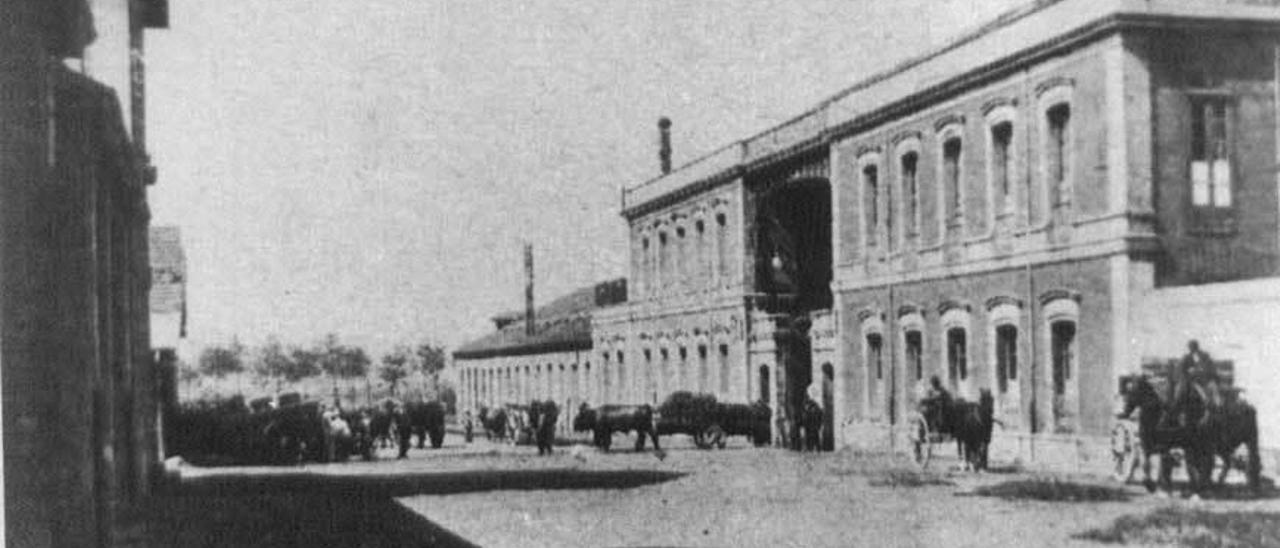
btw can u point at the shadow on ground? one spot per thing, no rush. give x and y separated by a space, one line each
1175 526
425 483
318 510
1051 489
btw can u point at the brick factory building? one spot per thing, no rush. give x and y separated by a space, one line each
1035 209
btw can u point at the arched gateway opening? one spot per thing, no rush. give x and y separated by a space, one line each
792 279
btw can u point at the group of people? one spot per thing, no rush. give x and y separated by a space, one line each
539 419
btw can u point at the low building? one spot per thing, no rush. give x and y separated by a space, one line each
548 359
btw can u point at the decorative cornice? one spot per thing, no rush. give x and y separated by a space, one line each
1054 83
954 304
998 102
1056 294
999 300
948 120
909 309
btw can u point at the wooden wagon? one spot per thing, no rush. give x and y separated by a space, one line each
709 422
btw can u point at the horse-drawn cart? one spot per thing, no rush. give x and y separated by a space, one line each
969 424
709 422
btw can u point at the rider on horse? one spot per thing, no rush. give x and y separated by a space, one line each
935 401
1196 379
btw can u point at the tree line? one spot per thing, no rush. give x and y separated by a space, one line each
330 357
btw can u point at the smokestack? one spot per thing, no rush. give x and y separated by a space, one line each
664 143
528 289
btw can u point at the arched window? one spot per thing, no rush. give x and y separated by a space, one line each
1061 318
955 347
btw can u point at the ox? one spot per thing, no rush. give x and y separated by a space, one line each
607 419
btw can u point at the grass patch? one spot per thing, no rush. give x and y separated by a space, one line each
1053 490
1191 528
908 479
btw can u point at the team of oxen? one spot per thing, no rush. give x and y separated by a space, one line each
304 431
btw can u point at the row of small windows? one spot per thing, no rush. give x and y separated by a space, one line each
678 260
880 205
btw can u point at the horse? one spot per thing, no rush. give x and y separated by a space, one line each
607 419
494 422
969 423
422 419
1194 438
1236 425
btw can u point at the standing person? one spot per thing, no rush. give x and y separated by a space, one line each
468 425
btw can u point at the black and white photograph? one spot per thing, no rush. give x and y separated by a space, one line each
566 273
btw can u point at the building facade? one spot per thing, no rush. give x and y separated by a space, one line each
1015 212
545 354
81 442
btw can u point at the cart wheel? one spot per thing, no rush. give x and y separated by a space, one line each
920 437
714 436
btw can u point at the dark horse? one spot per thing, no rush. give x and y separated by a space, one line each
969 423
494 422
607 419
1204 434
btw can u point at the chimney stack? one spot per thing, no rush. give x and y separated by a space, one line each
528 290
664 143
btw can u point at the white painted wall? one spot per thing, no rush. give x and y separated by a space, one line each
1237 321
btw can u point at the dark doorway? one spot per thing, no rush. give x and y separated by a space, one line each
799 374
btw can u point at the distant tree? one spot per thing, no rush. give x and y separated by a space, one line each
431 360
220 361
275 364
395 367
340 361
449 397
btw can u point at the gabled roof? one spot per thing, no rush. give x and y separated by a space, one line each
563 325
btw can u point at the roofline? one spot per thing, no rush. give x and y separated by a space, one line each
523 350
1115 20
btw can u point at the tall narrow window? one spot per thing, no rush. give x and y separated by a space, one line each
915 352
1063 348
724 369
701 257
702 368
722 245
910 192
1006 356
1002 165
875 354
1210 152
1058 155
644 264
957 355
664 260
681 265
764 383
952 182
871 206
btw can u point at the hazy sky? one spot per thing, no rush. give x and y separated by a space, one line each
371 168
